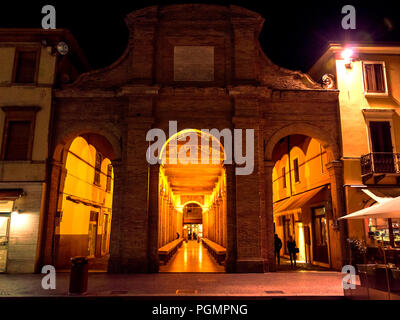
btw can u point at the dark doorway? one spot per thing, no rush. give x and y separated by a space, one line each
320 236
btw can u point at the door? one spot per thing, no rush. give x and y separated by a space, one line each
92 234
104 243
382 146
320 235
4 234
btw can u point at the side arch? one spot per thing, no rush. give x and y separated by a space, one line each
307 129
192 201
103 139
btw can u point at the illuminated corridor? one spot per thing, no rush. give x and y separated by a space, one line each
192 257
191 202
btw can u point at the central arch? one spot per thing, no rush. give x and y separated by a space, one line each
192 198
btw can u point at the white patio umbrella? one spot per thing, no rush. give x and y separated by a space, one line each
385 210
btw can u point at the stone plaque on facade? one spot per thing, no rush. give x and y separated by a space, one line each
193 63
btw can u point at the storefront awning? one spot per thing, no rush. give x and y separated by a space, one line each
295 202
10 194
85 202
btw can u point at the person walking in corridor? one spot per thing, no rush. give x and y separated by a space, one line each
278 246
291 246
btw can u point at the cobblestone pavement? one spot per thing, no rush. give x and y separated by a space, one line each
281 284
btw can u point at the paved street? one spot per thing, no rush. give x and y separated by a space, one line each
192 257
303 283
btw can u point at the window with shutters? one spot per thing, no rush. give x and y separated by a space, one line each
18 133
374 78
296 170
97 168
25 66
381 136
382 146
109 174
284 177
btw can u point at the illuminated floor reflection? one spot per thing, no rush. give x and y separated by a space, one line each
192 257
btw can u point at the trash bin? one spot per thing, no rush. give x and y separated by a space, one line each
79 275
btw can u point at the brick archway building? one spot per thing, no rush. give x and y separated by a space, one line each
201 65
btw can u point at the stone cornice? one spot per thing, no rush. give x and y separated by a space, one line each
246 91
246 122
135 90
84 93
193 91
305 95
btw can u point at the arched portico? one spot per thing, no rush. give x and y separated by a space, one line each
142 91
334 166
327 140
58 172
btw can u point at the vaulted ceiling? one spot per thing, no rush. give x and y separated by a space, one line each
193 178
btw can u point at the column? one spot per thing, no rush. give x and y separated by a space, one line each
160 221
114 263
224 219
220 220
217 225
214 222
171 222
267 220
153 262
164 231
337 236
55 188
205 223
231 249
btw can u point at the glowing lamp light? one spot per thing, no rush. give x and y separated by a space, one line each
347 55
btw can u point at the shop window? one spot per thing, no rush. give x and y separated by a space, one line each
284 177
18 133
379 228
296 170
374 77
97 168
109 174
26 65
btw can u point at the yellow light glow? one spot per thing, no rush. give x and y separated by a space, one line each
162 155
347 54
19 221
200 256
302 249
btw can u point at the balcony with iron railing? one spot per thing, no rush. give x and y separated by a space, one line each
380 163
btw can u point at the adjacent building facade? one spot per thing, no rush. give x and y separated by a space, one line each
30 68
368 78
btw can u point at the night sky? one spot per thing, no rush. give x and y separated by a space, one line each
295 33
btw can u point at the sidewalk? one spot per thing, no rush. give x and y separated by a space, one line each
279 284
